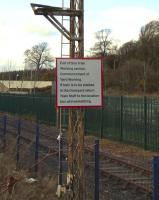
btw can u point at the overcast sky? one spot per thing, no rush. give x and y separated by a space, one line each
20 29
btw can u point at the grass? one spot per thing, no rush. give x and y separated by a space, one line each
43 189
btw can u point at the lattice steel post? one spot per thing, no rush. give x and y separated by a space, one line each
76 128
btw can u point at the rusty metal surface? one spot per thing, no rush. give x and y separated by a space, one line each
50 10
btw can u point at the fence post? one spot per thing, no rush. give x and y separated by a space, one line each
96 175
121 118
37 148
4 131
145 122
18 143
60 159
156 178
60 180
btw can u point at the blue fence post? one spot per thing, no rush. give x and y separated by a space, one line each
18 143
156 178
60 159
96 175
4 131
37 148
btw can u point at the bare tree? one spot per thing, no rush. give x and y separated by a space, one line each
103 43
149 48
38 57
149 31
128 50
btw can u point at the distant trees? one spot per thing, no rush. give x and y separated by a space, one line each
24 75
128 50
38 57
148 51
134 67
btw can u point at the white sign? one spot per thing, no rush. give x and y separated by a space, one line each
79 82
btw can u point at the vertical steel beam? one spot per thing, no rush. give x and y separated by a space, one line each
81 29
72 30
80 143
76 116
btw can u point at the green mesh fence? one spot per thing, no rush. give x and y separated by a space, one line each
133 120
36 107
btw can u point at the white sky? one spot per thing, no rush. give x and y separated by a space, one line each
20 29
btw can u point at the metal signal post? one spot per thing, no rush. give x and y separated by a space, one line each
75 36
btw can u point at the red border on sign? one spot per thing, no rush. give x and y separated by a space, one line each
102 83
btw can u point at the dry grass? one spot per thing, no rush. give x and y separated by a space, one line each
126 150
43 189
119 149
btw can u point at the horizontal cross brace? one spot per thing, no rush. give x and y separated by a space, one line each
58 11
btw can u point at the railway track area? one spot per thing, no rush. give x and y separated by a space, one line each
120 177
126 176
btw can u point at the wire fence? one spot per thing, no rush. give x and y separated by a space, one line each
32 142
28 150
34 149
114 172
